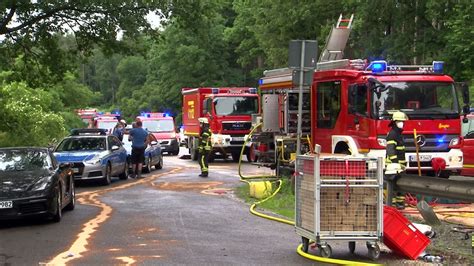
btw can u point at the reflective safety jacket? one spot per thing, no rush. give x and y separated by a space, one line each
395 147
205 139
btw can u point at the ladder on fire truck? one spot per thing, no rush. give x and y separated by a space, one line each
337 40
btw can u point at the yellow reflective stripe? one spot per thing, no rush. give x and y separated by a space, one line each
468 165
388 160
392 142
393 157
204 168
400 148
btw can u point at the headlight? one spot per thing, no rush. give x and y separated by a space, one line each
382 142
93 160
217 139
41 184
454 142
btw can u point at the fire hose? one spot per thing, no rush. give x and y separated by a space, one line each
249 179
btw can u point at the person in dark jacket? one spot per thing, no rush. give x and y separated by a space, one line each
395 162
204 147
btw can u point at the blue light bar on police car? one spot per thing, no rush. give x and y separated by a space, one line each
378 66
438 66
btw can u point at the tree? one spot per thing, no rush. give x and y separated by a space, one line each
27 118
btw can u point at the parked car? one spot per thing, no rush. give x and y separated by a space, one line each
153 153
33 183
94 154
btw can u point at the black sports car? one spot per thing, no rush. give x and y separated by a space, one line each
33 183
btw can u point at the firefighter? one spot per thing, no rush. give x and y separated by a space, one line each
204 146
395 159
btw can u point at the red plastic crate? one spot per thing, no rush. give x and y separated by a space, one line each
401 236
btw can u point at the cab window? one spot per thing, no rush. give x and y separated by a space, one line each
328 103
358 99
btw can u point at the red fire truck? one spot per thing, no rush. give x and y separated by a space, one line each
163 128
87 115
348 108
229 112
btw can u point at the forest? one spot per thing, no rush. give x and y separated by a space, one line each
58 56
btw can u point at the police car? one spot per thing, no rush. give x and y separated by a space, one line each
94 154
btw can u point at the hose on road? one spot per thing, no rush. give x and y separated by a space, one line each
249 179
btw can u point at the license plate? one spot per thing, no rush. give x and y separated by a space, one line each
238 138
75 170
6 204
423 158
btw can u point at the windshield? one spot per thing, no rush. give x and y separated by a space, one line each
81 144
159 125
106 124
419 100
236 105
23 160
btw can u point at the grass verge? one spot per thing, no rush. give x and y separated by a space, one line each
283 203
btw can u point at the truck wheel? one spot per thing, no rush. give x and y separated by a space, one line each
445 174
194 154
252 154
235 156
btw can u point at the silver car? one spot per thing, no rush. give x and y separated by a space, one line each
97 157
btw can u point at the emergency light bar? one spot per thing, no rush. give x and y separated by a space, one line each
233 90
381 66
88 131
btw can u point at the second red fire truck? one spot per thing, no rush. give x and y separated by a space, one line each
229 111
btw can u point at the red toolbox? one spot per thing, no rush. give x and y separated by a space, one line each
401 236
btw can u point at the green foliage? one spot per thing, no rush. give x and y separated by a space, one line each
26 117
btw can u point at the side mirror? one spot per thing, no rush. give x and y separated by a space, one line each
466 109
115 148
465 93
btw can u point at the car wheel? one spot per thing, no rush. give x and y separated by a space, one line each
124 174
148 165
108 176
175 152
58 201
72 202
159 165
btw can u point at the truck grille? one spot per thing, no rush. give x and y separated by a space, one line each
433 143
236 126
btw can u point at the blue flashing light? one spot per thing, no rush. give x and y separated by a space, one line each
215 90
253 90
166 115
378 66
438 66
260 82
440 139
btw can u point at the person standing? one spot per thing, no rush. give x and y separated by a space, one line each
139 138
395 162
119 130
204 147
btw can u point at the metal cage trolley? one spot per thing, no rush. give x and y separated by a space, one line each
339 198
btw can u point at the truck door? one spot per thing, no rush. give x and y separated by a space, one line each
328 107
358 113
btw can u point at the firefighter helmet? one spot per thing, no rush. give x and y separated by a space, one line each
203 120
399 116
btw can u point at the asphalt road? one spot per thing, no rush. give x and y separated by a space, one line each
171 216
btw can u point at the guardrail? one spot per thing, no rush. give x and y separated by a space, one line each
436 187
